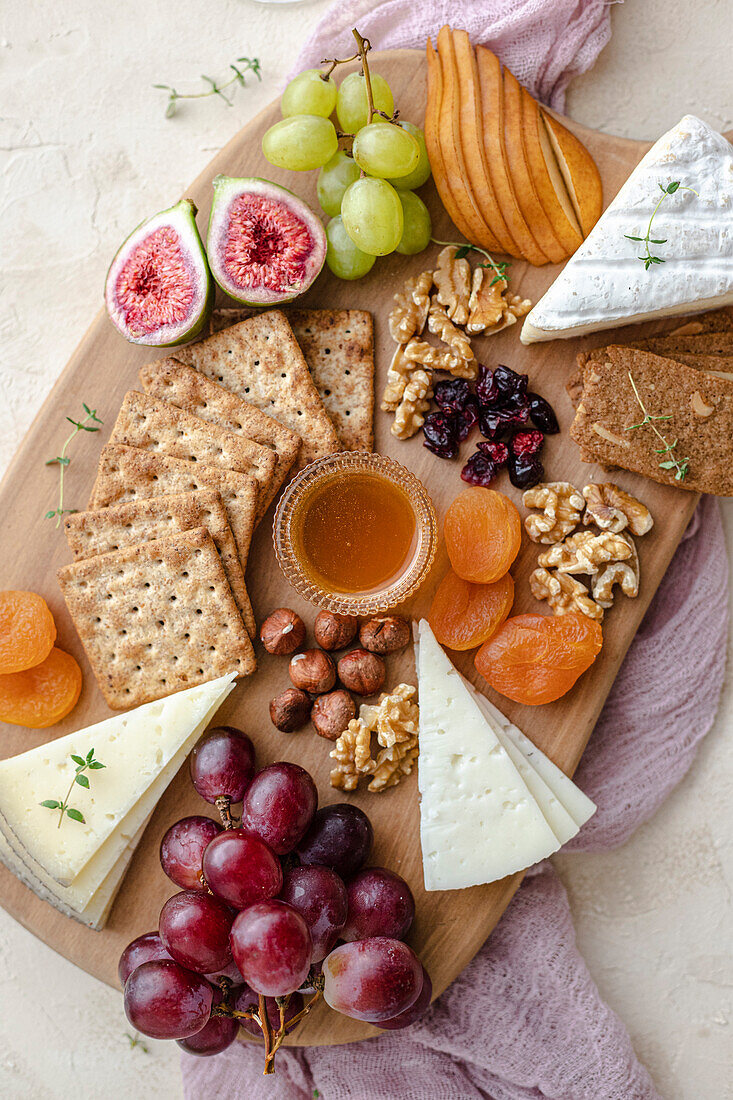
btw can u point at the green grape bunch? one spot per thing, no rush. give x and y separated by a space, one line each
368 192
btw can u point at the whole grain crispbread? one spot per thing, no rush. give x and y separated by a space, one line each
260 360
126 473
704 343
171 380
157 618
153 425
717 320
106 529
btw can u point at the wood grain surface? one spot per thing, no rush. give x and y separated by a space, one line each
449 927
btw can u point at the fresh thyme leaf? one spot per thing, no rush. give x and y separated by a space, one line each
78 760
648 259
83 780
463 251
244 65
681 466
50 804
136 1041
75 815
63 460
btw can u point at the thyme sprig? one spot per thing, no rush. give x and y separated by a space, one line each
243 65
135 1041
499 268
648 258
83 764
88 424
680 466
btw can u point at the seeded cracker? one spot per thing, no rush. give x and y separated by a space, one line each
260 360
157 618
170 380
125 473
91 533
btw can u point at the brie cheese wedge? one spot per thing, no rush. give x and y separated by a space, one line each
605 284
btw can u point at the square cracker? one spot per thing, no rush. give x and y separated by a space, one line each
92 533
157 618
154 425
126 473
171 380
260 360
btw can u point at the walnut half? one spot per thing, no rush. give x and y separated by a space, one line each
613 509
563 593
395 721
585 552
623 573
561 504
410 311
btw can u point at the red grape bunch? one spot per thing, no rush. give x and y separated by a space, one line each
274 908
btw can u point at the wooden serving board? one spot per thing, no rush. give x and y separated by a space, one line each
449 927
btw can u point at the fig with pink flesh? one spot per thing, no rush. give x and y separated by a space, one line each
265 245
159 289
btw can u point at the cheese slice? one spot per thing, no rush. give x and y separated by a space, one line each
141 750
478 819
605 284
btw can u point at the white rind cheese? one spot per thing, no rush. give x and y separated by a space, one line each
604 284
141 751
478 820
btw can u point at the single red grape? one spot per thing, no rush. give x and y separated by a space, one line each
182 850
380 904
165 1001
246 999
340 837
372 980
319 895
145 948
241 869
272 947
416 1010
215 1036
222 764
195 929
279 805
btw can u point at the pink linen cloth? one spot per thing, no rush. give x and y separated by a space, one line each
525 1021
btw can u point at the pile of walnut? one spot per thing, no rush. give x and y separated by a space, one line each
322 693
605 552
465 303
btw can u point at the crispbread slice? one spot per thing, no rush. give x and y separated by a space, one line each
717 320
99 532
260 360
153 425
126 473
156 618
171 380
704 343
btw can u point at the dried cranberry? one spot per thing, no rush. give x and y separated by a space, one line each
467 418
542 414
526 443
479 470
525 470
497 452
452 395
495 421
509 383
487 390
441 434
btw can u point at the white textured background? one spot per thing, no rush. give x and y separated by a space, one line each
86 154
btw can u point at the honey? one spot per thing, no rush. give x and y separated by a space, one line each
354 532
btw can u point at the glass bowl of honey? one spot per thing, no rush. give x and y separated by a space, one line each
355 533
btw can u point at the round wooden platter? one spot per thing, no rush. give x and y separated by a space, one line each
449 927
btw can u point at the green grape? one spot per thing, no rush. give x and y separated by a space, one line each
383 149
300 142
418 229
344 259
418 176
309 94
333 179
372 215
352 110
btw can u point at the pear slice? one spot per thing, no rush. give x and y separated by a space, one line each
547 179
491 94
433 144
579 172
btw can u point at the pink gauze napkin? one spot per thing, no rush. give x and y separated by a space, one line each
525 1021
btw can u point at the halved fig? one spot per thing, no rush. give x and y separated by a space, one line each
159 289
265 245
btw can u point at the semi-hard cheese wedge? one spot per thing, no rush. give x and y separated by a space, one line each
141 751
478 819
606 283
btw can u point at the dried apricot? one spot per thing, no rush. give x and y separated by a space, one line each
43 695
536 659
483 533
463 615
27 630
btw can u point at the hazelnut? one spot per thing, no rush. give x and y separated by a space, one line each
361 671
290 710
312 671
332 713
282 632
334 631
385 635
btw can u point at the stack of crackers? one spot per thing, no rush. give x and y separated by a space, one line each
157 590
685 380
